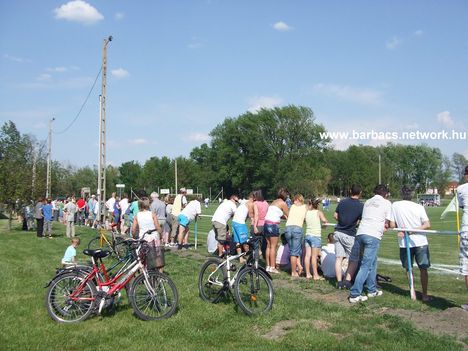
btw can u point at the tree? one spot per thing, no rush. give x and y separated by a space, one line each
259 150
459 162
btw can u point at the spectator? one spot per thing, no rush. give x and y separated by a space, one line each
259 219
39 217
81 204
294 233
376 217
220 218
158 207
187 215
239 227
144 221
348 213
69 258
328 258
276 211
462 193
408 214
70 212
180 201
313 238
47 212
123 209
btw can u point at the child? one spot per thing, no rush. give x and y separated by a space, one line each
69 258
328 258
314 219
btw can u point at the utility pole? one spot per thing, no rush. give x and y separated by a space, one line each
49 160
102 134
175 171
33 185
380 169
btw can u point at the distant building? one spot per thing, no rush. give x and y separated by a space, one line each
451 187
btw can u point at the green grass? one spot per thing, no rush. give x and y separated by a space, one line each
28 263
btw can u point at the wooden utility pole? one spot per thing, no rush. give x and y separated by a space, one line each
102 134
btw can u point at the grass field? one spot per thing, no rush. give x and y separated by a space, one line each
305 315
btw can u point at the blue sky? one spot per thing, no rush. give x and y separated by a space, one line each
176 69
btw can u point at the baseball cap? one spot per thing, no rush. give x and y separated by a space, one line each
183 190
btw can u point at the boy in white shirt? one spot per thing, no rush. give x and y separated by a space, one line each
69 258
462 193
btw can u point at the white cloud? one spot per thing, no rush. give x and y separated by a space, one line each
195 43
358 95
418 32
120 73
445 119
51 84
59 69
258 102
78 11
138 141
282 27
119 16
199 137
44 77
15 59
393 43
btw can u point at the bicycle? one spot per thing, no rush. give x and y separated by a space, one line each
74 294
252 285
114 245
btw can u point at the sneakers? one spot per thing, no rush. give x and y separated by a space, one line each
357 299
271 269
376 293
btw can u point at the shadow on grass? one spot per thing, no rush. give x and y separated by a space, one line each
436 302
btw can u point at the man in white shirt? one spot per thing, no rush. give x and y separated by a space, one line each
187 215
376 217
408 214
220 218
462 193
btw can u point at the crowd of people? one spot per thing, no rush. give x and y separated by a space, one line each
349 256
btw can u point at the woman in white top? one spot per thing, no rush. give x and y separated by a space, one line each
145 220
277 209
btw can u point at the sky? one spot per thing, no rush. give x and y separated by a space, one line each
176 69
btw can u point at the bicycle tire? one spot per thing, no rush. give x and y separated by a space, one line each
211 287
64 310
160 306
120 248
247 288
95 243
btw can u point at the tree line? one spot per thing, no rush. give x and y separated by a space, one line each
269 149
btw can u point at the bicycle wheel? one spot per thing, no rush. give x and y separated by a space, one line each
120 248
211 280
253 291
61 307
154 299
95 243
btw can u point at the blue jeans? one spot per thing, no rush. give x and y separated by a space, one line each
368 270
293 234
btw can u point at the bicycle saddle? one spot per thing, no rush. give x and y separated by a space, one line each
97 253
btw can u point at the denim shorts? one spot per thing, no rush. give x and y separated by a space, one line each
293 235
271 230
420 253
313 241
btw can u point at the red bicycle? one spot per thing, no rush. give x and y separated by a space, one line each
74 294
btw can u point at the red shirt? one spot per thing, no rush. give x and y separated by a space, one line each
81 203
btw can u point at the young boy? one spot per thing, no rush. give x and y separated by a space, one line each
69 258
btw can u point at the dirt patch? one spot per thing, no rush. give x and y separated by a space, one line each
333 296
280 329
452 321
321 325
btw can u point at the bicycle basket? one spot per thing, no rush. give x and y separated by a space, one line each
154 256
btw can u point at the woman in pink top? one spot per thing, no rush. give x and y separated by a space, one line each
259 219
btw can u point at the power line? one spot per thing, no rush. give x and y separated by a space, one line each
82 105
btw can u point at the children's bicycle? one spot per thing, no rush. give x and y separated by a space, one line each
74 294
251 284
